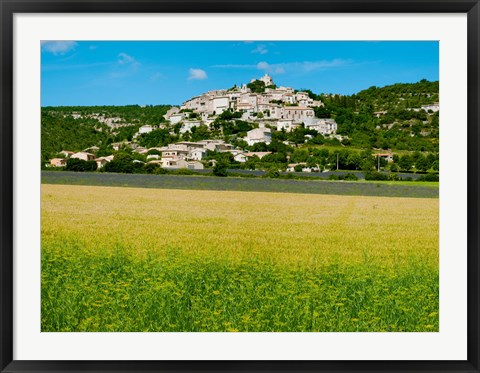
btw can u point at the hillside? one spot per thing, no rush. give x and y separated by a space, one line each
401 120
79 127
400 96
389 117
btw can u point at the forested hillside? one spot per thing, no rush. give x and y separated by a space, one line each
387 117
76 128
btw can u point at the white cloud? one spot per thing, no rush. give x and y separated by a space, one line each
260 49
127 60
322 65
58 46
124 59
301 67
290 67
263 66
197 74
273 69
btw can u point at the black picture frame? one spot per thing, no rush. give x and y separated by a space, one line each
9 8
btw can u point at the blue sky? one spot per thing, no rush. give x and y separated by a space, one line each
171 72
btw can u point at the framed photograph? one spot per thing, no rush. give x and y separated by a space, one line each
208 186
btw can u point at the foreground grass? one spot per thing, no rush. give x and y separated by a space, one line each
121 259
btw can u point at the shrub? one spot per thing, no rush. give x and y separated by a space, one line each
220 169
273 173
161 171
375 176
429 177
122 163
79 165
394 177
154 168
349 176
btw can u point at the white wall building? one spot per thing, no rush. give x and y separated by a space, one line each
286 124
83 155
249 98
303 99
192 104
102 161
176 118
57 162
297 113
433 107
240 157
170 112
145 129
220 104
172 162
288 98
275 111
325 126
258 135
197 154
276 94
187 126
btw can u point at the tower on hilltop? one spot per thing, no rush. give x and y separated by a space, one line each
267 79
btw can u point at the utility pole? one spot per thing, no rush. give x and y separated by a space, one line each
378 162
337 161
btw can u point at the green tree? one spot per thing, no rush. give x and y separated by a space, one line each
367 164
229 115
259 147
405 162
80 165
220 168
122 163
200 133
251 163
273 173
154 152
394 167
159 137
257 86
422 164
353 161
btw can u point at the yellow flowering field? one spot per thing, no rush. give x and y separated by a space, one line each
133 259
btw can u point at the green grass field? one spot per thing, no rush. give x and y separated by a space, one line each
133 259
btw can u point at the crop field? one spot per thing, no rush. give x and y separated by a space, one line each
167 260
198 182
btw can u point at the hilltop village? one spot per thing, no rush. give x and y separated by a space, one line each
264 105
255 126
277 107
